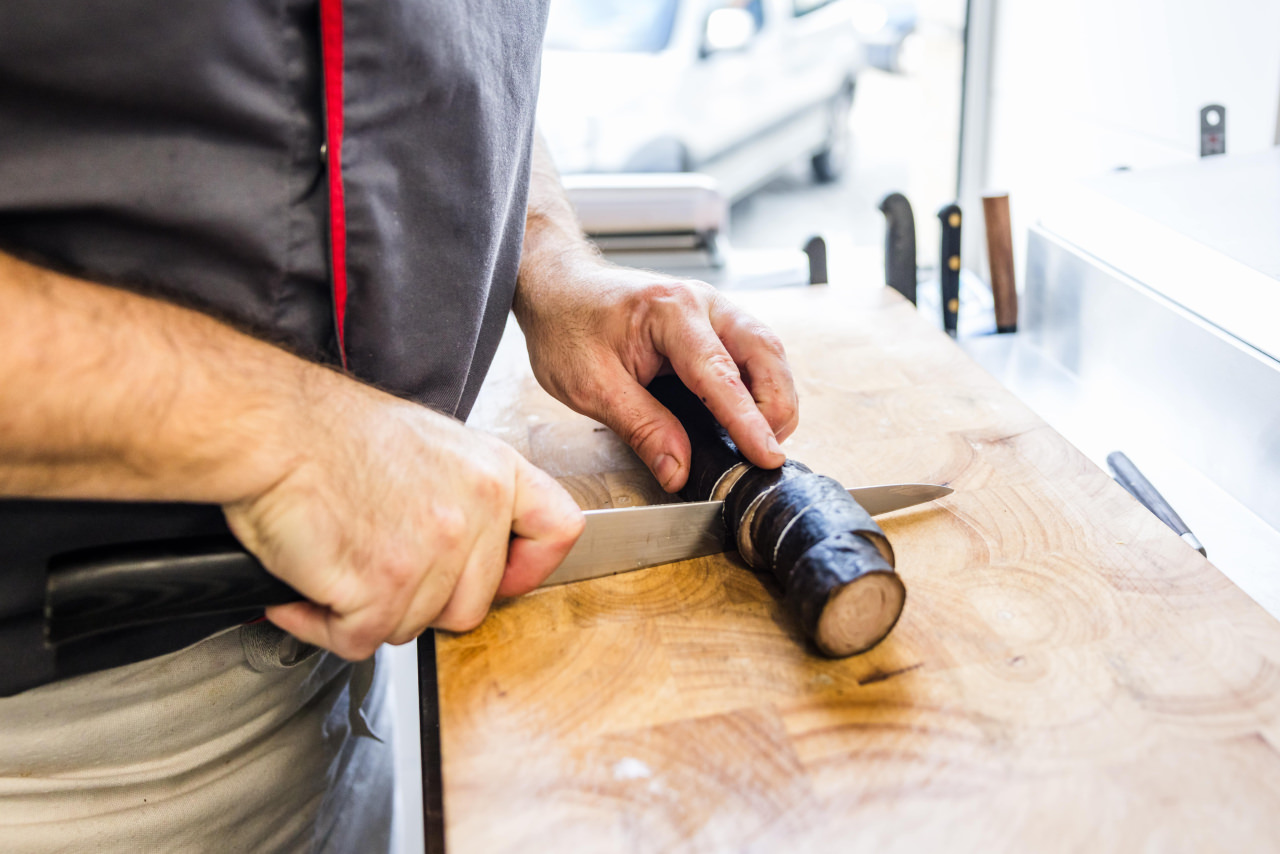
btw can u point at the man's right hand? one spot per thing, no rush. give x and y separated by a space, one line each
387 516
395 518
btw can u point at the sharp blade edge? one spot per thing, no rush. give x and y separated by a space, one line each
630 538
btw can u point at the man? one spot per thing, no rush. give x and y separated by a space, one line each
191 246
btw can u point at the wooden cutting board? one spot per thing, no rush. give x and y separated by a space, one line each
1067 675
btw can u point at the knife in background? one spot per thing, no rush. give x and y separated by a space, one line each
949 267
101 589
1004 291
1128 476
899 245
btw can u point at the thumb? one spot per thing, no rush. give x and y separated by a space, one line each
649 428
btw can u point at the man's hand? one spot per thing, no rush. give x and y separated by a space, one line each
396 518
598 334
389 517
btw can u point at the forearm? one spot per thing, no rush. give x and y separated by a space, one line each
598 334
553 238
385 515
107 394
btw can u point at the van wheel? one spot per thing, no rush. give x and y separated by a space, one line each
830 163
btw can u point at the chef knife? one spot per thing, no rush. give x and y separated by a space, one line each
101 589
1137 485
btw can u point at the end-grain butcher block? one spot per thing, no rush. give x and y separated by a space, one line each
1066 675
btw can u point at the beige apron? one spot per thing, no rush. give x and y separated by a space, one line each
243 742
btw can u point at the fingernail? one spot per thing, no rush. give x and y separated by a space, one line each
665 467
773 447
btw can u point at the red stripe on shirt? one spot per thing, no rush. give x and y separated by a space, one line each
331 53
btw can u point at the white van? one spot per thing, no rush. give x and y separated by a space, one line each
737 90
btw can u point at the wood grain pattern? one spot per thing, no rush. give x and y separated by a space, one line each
1067 675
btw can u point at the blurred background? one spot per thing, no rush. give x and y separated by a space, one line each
805 113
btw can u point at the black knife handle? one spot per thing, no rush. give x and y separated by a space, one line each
949 267
899 245
112 587
1128 476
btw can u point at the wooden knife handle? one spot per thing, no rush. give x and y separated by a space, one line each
96 590
995 210
832 561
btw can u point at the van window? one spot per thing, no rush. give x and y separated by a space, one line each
632 26
804 7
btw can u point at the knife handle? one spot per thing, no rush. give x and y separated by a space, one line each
949 267
899 245
1004 291
1128 476
113 587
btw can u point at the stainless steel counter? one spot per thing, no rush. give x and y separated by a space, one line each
1150 324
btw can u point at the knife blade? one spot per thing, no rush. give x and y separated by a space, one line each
89 591
631 538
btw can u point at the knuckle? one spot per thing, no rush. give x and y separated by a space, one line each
577 523
403 637
472 619
669 296
699 288
664 291
745 326
363 652
767 339
568 528
491 489
721 367
400 571
360 643
643 433
341 590
787 411
448 527
462 618
495 475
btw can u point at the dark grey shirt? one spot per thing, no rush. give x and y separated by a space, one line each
176 150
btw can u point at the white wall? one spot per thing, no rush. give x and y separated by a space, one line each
1082 87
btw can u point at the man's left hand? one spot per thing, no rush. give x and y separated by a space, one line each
598 334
